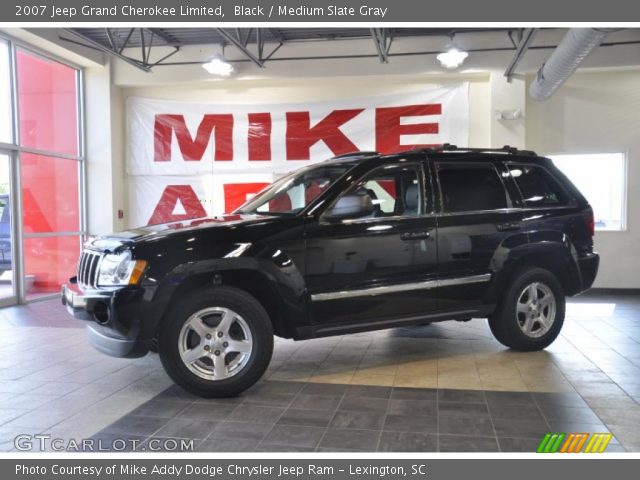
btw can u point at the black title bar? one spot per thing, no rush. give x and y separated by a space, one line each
369 11
318 469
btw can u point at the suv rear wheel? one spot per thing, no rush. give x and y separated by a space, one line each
216 342
531 313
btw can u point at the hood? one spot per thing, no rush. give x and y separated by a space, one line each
115 241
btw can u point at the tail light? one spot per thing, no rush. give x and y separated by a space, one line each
590 221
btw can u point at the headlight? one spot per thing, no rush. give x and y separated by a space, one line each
120 269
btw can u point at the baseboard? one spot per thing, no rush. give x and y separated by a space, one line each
614 291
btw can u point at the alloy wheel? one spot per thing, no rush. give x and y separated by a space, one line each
215 343
536 309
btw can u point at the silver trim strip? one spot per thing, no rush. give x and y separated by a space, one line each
453 282
405 287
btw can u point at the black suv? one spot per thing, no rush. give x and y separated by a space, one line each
360 242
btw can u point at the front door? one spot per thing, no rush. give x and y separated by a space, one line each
380 267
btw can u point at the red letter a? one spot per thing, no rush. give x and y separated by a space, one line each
192 206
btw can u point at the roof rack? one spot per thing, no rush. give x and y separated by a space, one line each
355 155
447 147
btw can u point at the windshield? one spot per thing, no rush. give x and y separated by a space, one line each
292 193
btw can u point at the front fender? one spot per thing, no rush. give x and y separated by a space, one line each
276 273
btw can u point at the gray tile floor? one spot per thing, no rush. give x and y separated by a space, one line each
445 387
282 416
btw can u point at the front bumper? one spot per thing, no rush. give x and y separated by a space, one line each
112 323
83 305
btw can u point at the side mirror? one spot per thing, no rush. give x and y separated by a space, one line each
351 206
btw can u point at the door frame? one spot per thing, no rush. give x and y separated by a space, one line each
15 150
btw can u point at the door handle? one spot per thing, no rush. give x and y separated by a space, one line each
415 236
508 226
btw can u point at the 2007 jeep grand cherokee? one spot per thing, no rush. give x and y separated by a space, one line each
359 242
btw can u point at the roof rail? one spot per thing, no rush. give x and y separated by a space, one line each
447 147
355 155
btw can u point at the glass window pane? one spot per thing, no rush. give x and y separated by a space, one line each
600 177
5 94
538 187
471 188
49 194
47 104
49 262
292 193
393 192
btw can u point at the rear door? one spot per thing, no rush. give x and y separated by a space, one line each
476 223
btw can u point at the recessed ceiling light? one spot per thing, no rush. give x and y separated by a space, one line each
218 66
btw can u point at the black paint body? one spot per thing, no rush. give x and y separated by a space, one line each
292 259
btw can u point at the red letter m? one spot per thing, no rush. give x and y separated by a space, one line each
193 150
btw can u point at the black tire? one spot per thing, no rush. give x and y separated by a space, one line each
253 314
505 323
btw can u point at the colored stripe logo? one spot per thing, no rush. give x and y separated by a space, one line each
598 443
550 443
574 443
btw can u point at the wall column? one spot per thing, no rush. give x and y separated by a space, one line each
507 97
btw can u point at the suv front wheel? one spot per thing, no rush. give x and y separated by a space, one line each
216 342
531 313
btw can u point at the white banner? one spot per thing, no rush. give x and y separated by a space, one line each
187 159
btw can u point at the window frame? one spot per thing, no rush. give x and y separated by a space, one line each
511 206
10 82
624 227
18 150
572 200
427 200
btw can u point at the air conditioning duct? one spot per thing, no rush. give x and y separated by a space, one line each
565 59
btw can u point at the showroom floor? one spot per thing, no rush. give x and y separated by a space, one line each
443 387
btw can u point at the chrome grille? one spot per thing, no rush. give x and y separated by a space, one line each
88 268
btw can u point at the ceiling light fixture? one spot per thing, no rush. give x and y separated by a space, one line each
453 57
218 66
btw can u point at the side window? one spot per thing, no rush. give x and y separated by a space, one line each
394 191
537 186
470 187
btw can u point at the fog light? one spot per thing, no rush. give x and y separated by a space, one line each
101 312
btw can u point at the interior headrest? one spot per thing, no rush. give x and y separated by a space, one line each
411 199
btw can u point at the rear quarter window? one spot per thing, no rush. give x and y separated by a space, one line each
538 187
